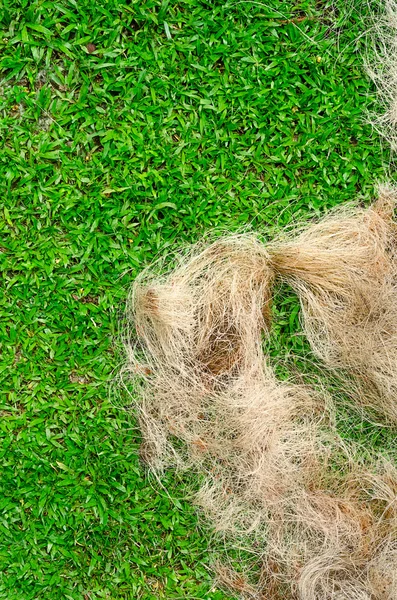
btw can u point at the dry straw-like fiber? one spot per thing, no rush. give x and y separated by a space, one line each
381 66
274 471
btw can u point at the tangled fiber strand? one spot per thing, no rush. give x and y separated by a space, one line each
273 470
344 270
382 68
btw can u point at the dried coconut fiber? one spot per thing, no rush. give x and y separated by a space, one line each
319 520
381 66
274 471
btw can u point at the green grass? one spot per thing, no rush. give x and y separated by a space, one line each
126 128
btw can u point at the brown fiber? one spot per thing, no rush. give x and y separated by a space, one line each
382 67
275 475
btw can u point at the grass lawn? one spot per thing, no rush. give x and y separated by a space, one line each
126 128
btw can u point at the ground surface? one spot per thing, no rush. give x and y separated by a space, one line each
123 128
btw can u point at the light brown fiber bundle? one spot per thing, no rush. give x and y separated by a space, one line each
381 66
274 472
